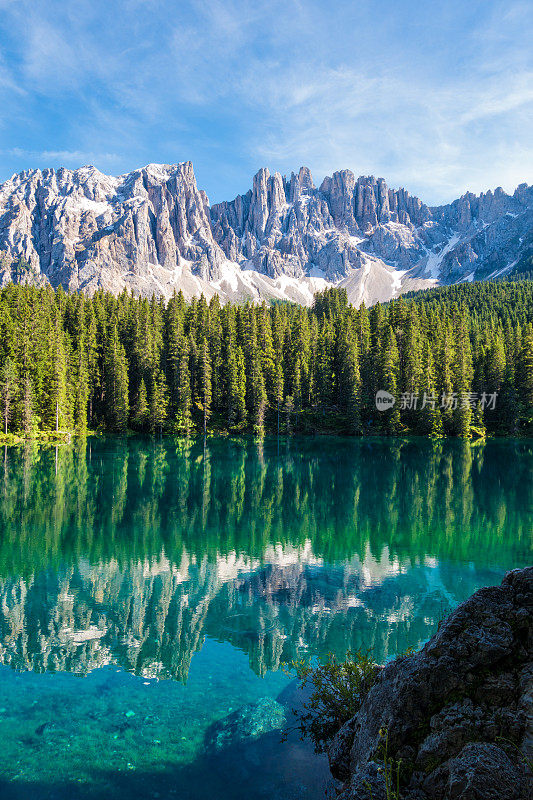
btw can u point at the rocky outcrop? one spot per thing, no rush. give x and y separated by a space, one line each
249 722
458 715
152 231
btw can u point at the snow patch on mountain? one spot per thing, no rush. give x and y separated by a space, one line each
435 259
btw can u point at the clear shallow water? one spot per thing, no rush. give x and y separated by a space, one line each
150 592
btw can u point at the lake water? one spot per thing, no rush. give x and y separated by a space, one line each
152 590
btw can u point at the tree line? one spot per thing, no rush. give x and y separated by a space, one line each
119 363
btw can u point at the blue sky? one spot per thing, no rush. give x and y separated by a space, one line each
433 96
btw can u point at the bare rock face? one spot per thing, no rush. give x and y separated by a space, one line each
374 241
458 714
84 230
153 231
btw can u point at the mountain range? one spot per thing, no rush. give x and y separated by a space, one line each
154 231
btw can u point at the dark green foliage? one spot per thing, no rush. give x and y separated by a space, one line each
337 689
68 363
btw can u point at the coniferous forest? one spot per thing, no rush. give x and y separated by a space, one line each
457 360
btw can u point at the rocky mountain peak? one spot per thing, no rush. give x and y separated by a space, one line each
153 230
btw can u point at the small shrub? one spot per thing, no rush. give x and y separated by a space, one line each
338 689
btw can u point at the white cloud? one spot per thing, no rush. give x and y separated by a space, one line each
435 140
436 105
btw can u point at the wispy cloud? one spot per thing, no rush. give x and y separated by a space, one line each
75 157
436 98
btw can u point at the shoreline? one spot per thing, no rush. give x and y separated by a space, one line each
68 437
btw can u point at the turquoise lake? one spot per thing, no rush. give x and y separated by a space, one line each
153 592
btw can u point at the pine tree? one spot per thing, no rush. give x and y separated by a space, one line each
410 363
116 382
92 359
236 389
278 390
183 421
29 421
526 377
56 411
445 376
463 373
508 404
429 420
67 361
390 366
349 375
256 393
80 388
324 366
256 396
478 423
8 389
205 383
495 369
140 411
297 393
158 402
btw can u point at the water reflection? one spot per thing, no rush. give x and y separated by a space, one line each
132 552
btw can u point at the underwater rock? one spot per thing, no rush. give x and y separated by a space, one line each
457 713
249 722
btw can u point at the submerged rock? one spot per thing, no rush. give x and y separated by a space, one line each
249 722
458 714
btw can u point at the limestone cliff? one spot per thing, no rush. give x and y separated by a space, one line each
153 231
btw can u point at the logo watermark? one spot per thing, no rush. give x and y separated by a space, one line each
384 400
411 401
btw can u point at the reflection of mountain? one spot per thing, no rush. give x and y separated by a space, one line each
152 618
133 552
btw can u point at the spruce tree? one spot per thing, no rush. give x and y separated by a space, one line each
390 366
8 390
158 402
349 375
56 411
236 389
205 383
140 410
183 421
116 399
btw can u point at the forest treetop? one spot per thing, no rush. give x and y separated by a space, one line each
72 363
